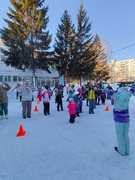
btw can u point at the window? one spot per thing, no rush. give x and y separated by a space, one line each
1 78
9 78
14 78
19 78
42 83
5 78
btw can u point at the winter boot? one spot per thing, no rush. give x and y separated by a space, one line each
116 149
1 117
6 116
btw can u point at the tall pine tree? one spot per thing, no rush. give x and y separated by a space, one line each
26 37
101 70
85 56
64 46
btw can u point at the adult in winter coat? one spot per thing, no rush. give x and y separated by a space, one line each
4 100
108 89
26 90
91 98
122 119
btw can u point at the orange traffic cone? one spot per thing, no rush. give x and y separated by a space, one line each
107 108
35 109
37 98
38 102
21 131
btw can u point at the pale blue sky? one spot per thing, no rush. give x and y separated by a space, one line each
112 20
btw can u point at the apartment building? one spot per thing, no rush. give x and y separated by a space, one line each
123 70
14 76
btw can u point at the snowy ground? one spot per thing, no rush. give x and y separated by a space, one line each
53 149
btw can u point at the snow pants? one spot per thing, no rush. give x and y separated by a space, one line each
4 108
72 118
26 108
91 105
46 108
59 105
122 130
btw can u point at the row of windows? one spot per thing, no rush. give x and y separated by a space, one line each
11 79
40 81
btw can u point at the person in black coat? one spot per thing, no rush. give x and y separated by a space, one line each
58 100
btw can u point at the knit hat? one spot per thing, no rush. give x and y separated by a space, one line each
71 100
45 91
27 82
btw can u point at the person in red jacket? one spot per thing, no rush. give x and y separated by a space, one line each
72 110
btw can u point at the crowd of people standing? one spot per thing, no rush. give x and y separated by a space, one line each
89 94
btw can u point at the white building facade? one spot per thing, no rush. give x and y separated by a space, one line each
14 76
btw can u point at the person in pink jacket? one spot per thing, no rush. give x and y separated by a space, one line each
39 93
71 109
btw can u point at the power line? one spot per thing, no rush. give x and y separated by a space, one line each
123 48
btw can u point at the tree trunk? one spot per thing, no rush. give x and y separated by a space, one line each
34 77
81 81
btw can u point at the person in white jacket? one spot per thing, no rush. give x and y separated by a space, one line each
46 102
26 90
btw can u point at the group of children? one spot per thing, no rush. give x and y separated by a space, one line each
46 94
75 100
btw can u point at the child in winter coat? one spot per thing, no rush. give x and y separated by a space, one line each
56 93
97 95
122 119
72 110
49 92
59 102
39 94
103 97
76 98
112 101
46 102
80 96
16 87
70 94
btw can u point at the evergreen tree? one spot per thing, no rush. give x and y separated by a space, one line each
25 36
101 70
85 57
64 46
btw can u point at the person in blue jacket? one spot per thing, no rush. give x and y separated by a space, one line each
76 98
122 118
